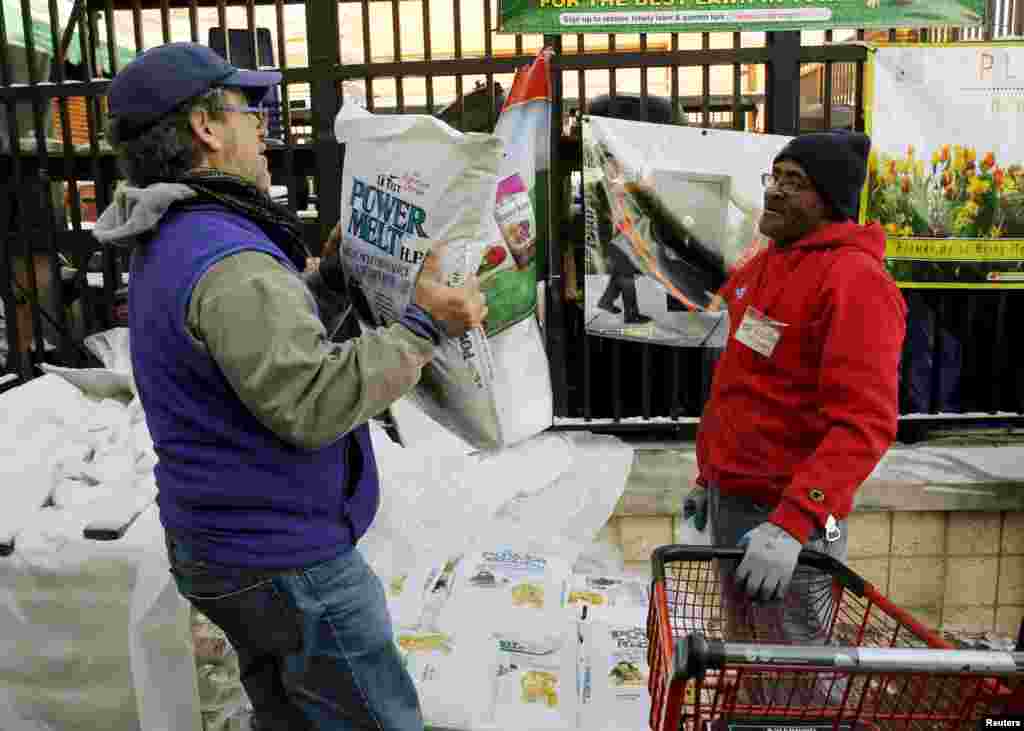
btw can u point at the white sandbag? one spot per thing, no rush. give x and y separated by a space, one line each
614 695
26 475
101 382
111 347
115 379
452 674
535 677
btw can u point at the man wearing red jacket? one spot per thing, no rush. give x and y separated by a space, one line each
804 399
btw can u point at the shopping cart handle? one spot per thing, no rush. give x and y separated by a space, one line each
815 559
695 655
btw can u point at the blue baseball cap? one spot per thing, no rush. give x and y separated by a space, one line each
153 84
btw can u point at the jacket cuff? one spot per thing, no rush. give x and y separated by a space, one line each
795 520
420 322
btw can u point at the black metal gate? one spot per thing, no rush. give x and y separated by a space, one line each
58 285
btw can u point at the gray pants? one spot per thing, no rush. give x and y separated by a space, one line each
803 616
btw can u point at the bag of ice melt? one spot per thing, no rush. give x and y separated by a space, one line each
410 185
600 593
505 584
535 677
613 693
452 674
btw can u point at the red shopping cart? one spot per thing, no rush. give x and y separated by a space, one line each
720 662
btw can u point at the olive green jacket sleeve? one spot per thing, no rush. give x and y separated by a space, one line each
257 320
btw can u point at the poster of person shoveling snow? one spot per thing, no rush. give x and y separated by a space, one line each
670 212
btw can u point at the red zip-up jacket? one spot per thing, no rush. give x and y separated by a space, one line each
800 430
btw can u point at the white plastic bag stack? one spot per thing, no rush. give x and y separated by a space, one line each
93 634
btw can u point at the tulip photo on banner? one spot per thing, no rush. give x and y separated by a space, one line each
681 16
946 175
670 211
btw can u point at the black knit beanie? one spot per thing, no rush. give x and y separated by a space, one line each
836 162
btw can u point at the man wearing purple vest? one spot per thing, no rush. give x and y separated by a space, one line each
266 471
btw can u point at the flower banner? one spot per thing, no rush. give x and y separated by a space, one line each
946 175
681 16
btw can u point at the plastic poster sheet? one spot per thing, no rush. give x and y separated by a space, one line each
670 212
946 175
673 16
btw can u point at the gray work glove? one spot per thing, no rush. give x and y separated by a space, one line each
695 505
768 564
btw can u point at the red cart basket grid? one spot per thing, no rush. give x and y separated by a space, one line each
720 662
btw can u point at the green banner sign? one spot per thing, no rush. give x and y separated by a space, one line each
680 16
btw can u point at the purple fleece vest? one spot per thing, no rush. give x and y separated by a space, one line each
234 491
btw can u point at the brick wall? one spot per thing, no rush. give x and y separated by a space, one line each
960 571
955 570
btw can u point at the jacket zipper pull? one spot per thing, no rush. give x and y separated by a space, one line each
831 529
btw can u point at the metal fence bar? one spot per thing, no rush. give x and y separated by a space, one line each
137 26
428 56
368 79
14 362
43 110
554 313
459 98
286 114
165 21
193 21
323 32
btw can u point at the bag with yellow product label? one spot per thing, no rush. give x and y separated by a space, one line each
452 674
535 677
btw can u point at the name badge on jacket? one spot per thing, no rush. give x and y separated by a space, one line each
759 333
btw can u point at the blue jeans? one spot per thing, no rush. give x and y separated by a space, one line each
315 644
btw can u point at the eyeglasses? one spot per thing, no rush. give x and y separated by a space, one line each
788 184
259 112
